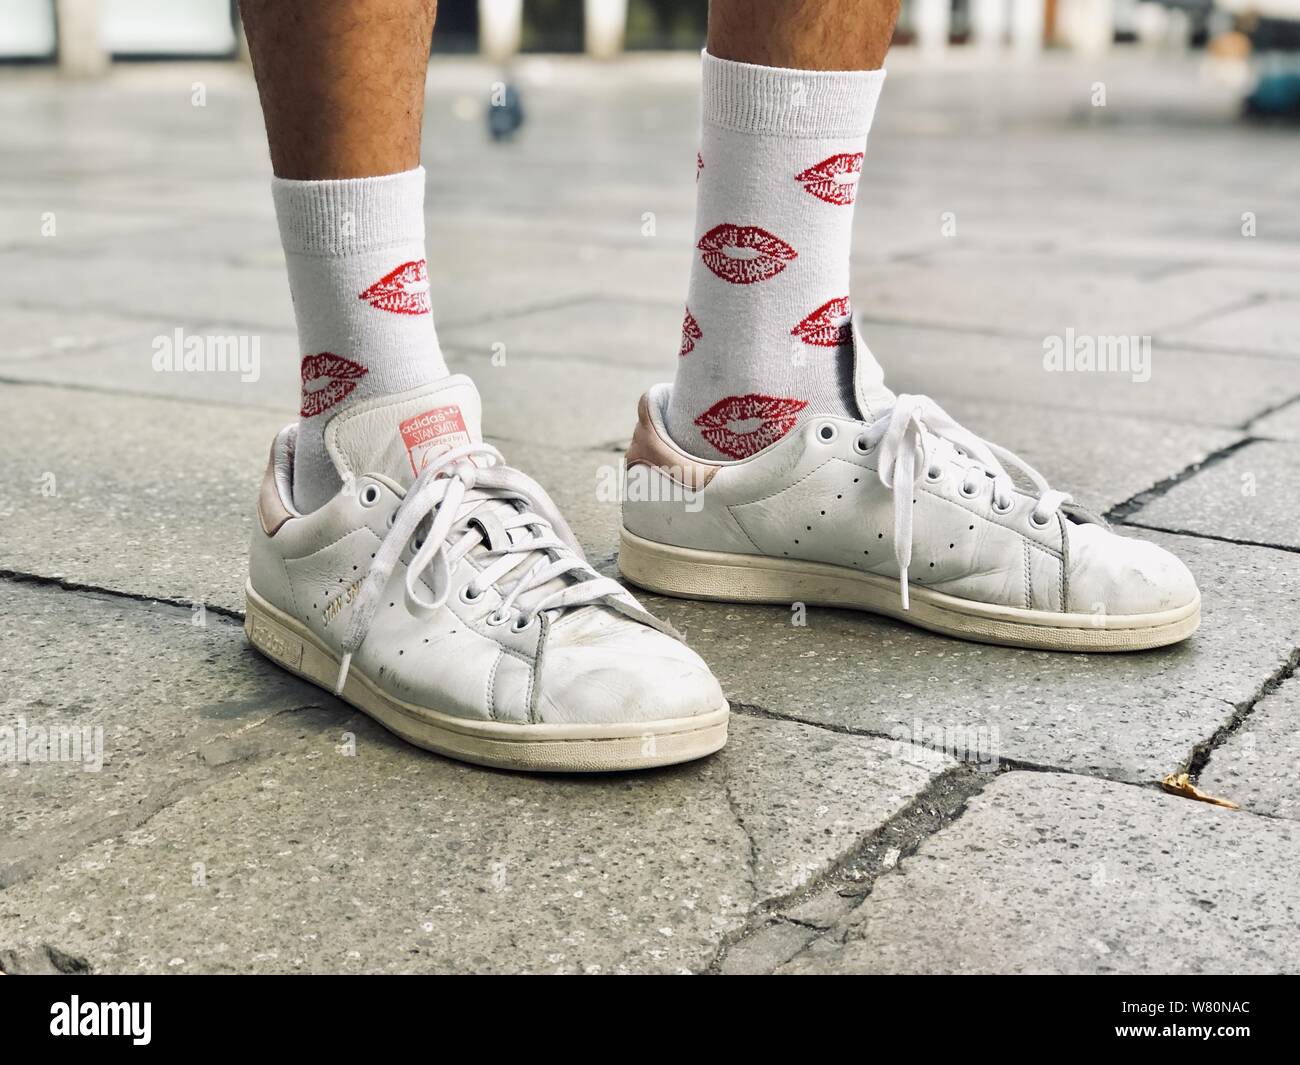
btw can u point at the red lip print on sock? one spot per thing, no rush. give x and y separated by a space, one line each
690 333
829 326
744 254
404 290
834 179
337 376
740 426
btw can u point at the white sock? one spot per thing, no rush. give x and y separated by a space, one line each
766 339
355 251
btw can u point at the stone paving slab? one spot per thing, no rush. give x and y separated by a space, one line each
124 362
1067 260
148 497
226 833
1252 495
1256 766
1100 459
176 196
1031 303
1189 243
1056 874
172 692
961 365
764 950
1133 717
73 226
1282 424
1271 327
123 284
40 335
617 332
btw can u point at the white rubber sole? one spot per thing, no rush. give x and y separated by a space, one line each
715 575
536 748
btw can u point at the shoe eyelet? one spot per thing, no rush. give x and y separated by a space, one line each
496 618
392 517
968 491
527 623
826 432
934 475
1035 523
1004 510
369 495
861 446
417 543
468 595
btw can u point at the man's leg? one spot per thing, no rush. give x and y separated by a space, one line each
837 489
342 88
396 558
341 83
803 34
789 92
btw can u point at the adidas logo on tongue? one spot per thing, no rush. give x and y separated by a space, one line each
399 435
431 433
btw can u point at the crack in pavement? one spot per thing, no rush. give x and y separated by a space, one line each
763 714
1209 536
1272 408
757 901
1120 511
941 803
1240 303
1203 751
23 577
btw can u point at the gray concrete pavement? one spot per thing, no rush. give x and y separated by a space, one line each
890 800
1073 875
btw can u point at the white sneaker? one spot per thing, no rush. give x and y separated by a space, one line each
902 513
441 592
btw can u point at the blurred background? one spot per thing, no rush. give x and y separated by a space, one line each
1255 43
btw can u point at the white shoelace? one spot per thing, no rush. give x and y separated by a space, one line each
906 434
482 503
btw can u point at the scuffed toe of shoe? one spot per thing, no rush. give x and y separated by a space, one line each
1116 574
605 669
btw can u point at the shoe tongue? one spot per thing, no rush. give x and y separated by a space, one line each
396 435
873 397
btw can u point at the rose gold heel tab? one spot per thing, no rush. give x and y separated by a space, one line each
272 508
651 447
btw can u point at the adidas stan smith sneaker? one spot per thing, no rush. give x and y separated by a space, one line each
903 513
442 593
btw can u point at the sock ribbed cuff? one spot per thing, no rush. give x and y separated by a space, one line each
792 103
351 215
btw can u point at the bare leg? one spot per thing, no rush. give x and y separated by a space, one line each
341 82
789 90
803 34
342 88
